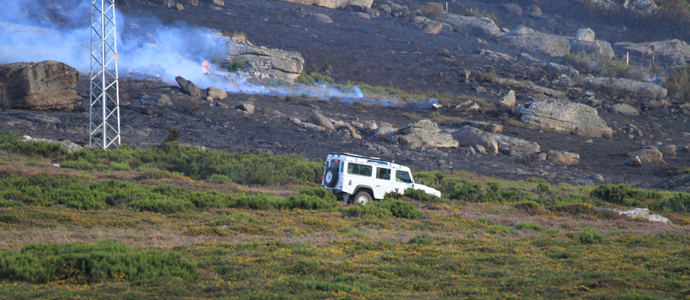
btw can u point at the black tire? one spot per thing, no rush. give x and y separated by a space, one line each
362 197
331 177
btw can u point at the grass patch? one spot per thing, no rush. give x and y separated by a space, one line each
594 64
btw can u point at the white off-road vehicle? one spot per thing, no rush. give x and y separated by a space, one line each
367 178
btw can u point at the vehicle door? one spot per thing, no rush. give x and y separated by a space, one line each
358 175
403 181
382 182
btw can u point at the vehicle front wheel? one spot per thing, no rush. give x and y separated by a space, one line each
362 198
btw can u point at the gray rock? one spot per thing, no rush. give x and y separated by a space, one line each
43 85
480 149
219 2
677 184
334 4
188 87
625 109
625 87
508 100
585 35
563 157
179 6
638 213
248 108
164 100
601 48
526 39
385 131
513 8
323 18
470 136
265 63
193 2
530 87
474 26
633 162
671 49
425 133
641 6
216 94
648 155
564 117
668 150
70 146
596 178
322 121
533 10
468 105
561 69
493 128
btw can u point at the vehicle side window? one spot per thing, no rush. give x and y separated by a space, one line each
403 176
358 169
382 173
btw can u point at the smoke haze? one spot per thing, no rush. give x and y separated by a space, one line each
33 32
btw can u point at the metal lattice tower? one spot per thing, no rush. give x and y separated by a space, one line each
104 111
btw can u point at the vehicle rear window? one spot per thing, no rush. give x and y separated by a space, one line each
358 169
383 173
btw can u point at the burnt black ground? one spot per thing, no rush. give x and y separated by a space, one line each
389 52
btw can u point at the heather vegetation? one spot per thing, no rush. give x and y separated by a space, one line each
158 229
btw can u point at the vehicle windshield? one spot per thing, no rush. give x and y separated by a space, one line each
403 176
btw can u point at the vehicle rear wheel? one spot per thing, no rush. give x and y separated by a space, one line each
331 177
362 198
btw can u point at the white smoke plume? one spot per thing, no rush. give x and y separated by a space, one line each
38 30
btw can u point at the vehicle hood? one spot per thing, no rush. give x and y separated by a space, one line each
428 190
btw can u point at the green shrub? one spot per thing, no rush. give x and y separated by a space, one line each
313 77
624 195
13 143
319 192
678 203
486 220
82 263
588 235
500 229
258 201
116 166
423 196
305 201
237 65
421 240
678 84
636 296
367 211
553 230
399 208
80 164
528 225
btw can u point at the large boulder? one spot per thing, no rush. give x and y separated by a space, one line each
526 39
319 119
43 85
334 3
563 157
564 117
425 133
648 155
477 26
530 87
493 142
264 63
188 87
625 87
585 41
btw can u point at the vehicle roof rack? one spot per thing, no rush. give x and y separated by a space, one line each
356 155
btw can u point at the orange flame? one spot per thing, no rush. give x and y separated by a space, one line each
205 66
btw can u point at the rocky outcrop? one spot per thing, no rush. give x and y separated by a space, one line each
493 128
216 94
527 39
475 26
670 49
264 63
625 87
493 142
320 120
564 117
44 85
334 3
424 133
